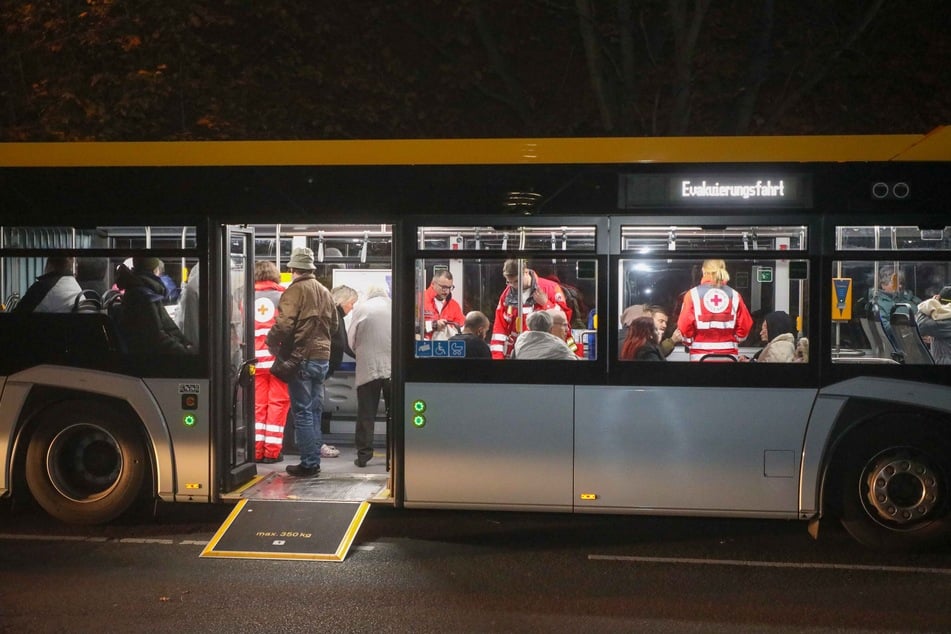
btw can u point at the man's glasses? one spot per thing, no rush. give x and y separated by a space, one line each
443 287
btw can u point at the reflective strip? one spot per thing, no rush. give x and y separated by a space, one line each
498 336
714 345
261 332
264 365
699 357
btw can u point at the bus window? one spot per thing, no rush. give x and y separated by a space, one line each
768 290
449 290
659 289
97 266
875 303
890 312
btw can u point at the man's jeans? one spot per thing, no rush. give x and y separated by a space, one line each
307 403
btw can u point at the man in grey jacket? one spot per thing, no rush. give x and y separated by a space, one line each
370 338
306 318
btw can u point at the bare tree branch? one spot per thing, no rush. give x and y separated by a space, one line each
685 43
516 95
595 66
759 63
819 74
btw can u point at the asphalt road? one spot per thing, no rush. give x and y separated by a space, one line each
448 571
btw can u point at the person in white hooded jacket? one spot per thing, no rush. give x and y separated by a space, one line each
53 292
934 321
370 338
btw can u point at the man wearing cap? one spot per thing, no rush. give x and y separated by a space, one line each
934 321
144 323
305 321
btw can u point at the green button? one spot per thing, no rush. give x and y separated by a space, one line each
419 406
419 420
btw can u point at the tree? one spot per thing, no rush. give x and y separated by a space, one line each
220 69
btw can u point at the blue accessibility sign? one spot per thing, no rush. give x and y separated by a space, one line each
457 349
440 348
424 349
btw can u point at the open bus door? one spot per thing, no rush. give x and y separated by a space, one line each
234 355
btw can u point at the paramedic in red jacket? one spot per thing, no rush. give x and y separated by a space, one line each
440 311
271 400
714 318
515 305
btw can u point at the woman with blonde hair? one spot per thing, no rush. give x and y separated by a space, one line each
714 318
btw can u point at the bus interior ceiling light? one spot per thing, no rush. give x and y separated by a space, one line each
524 203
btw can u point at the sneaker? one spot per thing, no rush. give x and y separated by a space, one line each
302 471
329 451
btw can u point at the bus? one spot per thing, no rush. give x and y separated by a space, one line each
847 238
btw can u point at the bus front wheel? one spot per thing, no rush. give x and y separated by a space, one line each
85 463
895 490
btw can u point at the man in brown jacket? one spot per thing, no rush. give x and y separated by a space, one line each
306 318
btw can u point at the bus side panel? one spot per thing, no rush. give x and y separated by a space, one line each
821 422
191 439
689 450
126 388
489 445
12 398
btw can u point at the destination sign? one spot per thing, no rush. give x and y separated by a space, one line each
714 190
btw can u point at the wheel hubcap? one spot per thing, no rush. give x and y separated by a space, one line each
902 490
84 462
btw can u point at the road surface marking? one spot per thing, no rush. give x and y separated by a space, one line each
768 564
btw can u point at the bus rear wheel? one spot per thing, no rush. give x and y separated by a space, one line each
85 463
895 491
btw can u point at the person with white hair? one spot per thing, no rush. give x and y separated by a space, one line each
539 342
370 337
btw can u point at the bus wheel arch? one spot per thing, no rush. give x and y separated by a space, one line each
87 461
891 482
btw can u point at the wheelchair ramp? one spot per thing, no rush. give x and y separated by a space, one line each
284 529
302 519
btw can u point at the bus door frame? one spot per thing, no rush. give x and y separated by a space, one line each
235 393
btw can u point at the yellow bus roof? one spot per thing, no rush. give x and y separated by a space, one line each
934 146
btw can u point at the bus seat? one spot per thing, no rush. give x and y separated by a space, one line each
10 302
908 337
91 273
717 358
886 349
87 301
112 307
110 297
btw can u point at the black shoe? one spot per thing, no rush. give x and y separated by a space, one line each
302 471
360 463
280 458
